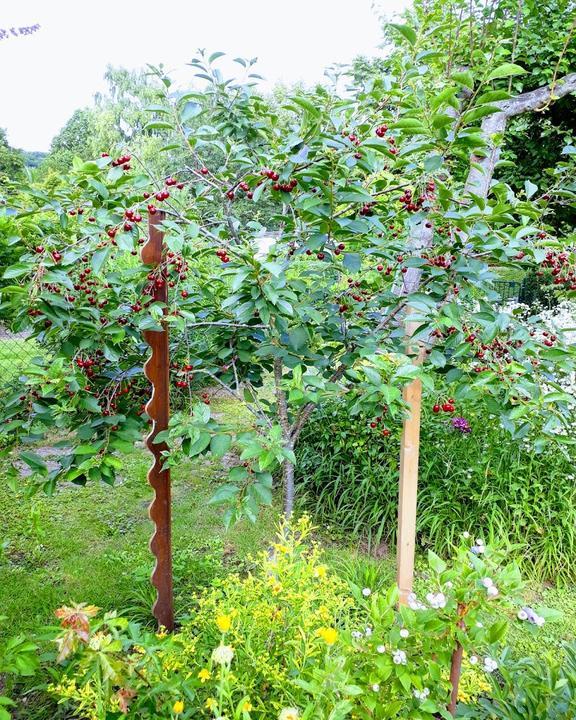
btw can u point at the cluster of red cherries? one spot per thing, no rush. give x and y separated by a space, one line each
448 406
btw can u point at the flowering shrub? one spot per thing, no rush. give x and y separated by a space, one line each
291 640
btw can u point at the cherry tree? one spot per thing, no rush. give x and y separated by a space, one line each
390 232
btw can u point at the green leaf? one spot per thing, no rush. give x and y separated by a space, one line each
189 111
225 493
352 262
34 461
435 562
156 125
220 444
530 188
215 56
17 270
464 78
437 358
505 70
98 259
406 31
298 337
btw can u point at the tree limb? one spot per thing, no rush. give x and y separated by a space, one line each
479 178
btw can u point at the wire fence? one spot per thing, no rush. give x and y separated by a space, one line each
16 352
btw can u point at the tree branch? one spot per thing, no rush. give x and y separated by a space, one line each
479 178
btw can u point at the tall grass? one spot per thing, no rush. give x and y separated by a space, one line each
480 482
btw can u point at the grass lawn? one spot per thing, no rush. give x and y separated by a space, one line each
91 545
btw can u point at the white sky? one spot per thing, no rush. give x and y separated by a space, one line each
45 76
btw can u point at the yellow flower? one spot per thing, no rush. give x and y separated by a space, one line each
224 622
276 588
204 675
320 571
247 706
211 703
282 549
178 707
329 635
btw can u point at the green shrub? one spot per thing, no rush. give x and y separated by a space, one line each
535 689
348 475
293 640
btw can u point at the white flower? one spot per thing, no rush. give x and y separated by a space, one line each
366 592
414 603
376 687
492 591
289 713
421 694
479 542
473 660
465 534
399 657
368 631
223 655
356 634
522 615
449 584
381 649
487 582
404 633
479 624
490 665
539 620
437 601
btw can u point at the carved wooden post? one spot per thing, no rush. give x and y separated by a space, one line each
157 369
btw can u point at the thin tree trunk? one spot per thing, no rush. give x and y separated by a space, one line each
288 475
455 670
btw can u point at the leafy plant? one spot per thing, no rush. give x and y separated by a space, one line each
542 688
18 658
291 640
348 474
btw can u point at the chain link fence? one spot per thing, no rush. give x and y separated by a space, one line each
16 352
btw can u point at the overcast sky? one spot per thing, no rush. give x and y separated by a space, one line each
45 76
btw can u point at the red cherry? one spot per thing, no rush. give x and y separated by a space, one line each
379 268
204 170
39 249
436 408
184 293
230 195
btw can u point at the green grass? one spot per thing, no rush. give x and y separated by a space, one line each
87 544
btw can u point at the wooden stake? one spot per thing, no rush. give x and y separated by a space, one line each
157 369
408 484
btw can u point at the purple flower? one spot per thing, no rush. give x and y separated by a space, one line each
461 424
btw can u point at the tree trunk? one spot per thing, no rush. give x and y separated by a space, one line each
288 476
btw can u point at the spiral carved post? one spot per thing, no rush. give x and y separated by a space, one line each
157 369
